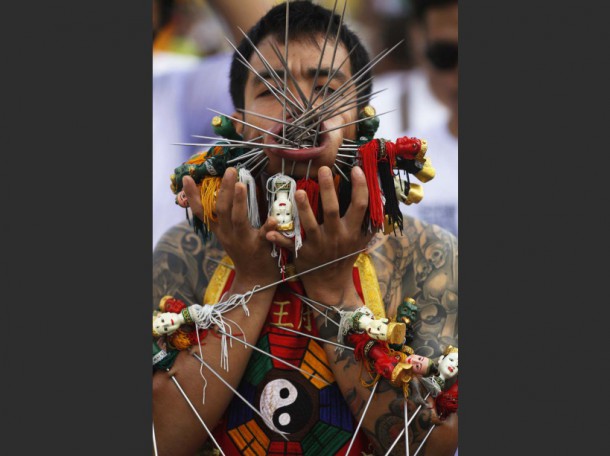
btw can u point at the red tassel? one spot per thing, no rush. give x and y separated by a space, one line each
368 158
312 188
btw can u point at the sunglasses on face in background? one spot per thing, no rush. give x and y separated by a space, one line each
443 55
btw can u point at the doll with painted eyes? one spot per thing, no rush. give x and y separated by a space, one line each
447 369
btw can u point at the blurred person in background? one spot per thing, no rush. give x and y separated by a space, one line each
191 61
426 102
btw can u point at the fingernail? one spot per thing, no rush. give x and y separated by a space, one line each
357 171
300 196
324 171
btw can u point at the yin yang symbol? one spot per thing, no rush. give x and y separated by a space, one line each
285 404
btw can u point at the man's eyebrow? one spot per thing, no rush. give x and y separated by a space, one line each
267 75
326 72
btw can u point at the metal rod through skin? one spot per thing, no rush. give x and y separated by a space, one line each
402 432
195 412
406 428
332 62
249 124
272 89
312 337
254 409
254 347
424 441
361 419
294 100
315 78
154 440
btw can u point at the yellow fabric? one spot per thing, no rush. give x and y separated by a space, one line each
218 281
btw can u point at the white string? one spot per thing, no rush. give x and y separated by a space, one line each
210 315
246 177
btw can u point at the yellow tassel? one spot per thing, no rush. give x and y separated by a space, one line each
209 190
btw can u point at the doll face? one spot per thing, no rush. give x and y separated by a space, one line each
378 329
448 366
420 364
282 208
303 59
166 323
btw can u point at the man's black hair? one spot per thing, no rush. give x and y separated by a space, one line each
420 7
306 21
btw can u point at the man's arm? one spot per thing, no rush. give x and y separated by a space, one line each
177 429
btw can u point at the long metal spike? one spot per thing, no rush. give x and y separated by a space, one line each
320 312
250 157
288 73
329 107
369 66
269 118
331 110
264 160
315 78
387 453
332 62
313 337
154 440
355 122
424 441
351 165
273 90
254 347
195 412
285 74
248 124
406 428
366 407
252 160
273 73
341 172
244 400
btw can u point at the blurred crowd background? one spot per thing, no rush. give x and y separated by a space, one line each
191 59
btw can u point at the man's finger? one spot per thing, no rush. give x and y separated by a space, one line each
330 203
306 216
193 196
239 212
360 199
224 199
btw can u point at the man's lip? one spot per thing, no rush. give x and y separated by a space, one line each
310 153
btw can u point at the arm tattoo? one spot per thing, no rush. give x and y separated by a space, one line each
183 265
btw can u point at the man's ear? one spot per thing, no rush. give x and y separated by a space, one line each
239 127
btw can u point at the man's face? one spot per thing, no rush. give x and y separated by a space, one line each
441 26
303 59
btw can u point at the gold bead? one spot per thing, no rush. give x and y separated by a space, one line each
369 111
216 121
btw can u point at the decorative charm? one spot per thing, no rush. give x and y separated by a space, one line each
362 320
447 368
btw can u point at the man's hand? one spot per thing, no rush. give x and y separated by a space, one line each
336 237
245 245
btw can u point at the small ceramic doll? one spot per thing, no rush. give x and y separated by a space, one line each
447 368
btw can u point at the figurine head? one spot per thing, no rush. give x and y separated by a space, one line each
421 364
448 363
282 211
166 323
